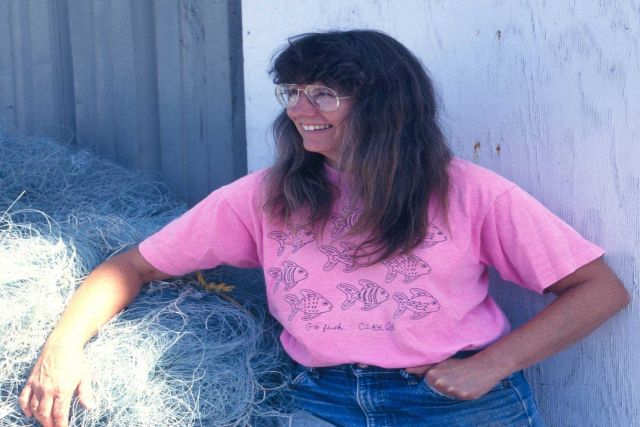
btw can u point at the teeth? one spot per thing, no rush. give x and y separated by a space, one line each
315 127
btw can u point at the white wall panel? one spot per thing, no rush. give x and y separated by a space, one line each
546 94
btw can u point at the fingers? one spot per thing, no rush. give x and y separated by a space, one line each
60 412
440 385
43 412
420 370
452 379
34 406
58 373
50 410
85 394
25 400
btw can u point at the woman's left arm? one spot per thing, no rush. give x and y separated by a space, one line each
586 298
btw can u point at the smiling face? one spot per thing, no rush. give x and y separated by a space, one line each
322 131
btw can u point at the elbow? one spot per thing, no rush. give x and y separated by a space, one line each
625 297
618 292
617 296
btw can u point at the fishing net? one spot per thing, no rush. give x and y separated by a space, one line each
178 355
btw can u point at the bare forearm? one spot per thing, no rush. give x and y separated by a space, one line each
586 298
572 316
104 293
61 368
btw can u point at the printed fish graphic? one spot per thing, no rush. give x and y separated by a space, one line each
297 237
290 274
312 304
347 257
370 294
421 303
410 266
343 222
434 236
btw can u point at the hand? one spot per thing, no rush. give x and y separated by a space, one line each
57 374
463 379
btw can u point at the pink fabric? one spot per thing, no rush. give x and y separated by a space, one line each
404 311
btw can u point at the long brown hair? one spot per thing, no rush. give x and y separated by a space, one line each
393 147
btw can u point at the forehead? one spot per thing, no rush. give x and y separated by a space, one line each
305 85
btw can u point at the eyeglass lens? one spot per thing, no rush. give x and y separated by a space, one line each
322 97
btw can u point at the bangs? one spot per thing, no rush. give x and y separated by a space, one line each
319 57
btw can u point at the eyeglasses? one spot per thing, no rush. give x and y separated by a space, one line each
322 97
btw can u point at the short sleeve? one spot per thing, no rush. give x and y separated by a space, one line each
209 234
529 245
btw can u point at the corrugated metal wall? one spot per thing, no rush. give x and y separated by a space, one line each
546 94
155 85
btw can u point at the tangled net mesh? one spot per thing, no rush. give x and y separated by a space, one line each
178 355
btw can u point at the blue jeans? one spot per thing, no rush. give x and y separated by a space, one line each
351 395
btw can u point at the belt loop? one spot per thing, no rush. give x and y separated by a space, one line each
314 372
411 379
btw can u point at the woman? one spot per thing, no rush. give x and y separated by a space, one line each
375 244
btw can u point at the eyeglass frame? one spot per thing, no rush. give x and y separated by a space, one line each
293 85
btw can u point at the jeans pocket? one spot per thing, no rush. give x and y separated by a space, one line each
433 392
502 384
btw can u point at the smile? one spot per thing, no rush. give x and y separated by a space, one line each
315 127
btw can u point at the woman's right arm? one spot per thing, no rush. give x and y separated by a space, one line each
61 368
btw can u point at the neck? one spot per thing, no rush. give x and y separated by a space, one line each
332 163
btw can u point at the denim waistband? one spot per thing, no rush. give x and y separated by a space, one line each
358 367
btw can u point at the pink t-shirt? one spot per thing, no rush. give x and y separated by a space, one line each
405 311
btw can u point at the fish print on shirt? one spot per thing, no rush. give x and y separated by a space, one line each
347 257
421 303
370 294
341 223
290 274
434 236
410 266
312 304
297 237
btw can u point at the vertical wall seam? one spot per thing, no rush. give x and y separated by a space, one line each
65 66
236 59
11 42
